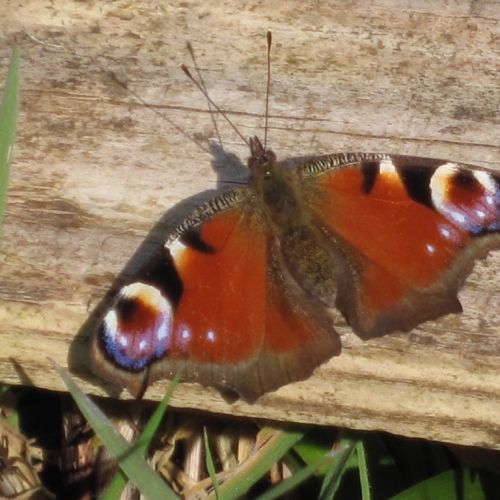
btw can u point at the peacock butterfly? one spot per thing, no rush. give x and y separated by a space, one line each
240 295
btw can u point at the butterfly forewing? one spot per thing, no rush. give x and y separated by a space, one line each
234 318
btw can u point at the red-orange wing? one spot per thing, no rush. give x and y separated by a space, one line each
224 313
408 230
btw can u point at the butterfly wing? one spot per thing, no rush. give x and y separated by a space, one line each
218 306
405 232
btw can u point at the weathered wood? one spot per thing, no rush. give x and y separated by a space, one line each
94 169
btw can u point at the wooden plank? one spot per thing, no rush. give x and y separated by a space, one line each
94 169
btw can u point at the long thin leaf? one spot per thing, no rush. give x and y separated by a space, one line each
119 481
209 461
336 471
292 482
363 471
149 483
8 118
455 485
275 444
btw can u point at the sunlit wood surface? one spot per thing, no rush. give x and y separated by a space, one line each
95 170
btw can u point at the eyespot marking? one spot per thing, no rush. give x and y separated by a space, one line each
138 328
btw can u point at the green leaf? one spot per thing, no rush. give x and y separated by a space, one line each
336 470
305 473
275 444
316 444
119 481
131 462
363 471
209 461
8 117
460 484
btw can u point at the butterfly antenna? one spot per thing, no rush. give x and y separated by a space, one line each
269 43
151 107
202 83
209 99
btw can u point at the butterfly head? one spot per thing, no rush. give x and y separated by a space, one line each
261 159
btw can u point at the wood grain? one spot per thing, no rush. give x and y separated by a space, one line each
95 172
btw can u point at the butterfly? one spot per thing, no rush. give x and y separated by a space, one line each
241 295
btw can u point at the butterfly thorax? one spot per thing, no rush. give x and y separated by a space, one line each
275 189
277 192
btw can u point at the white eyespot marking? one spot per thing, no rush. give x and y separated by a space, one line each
148 295
184 336
485 179
440 182
441 193
457 216
491 197
480 214
449 232
163 332
110 324
153 298
444 231
211 336
176 249
135 340
430 248
387 167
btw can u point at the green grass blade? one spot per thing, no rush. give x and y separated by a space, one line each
155 420
316 444
119 481
149 482
8 117
276 445
336 471
457 484
305 473
209 462
363 471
